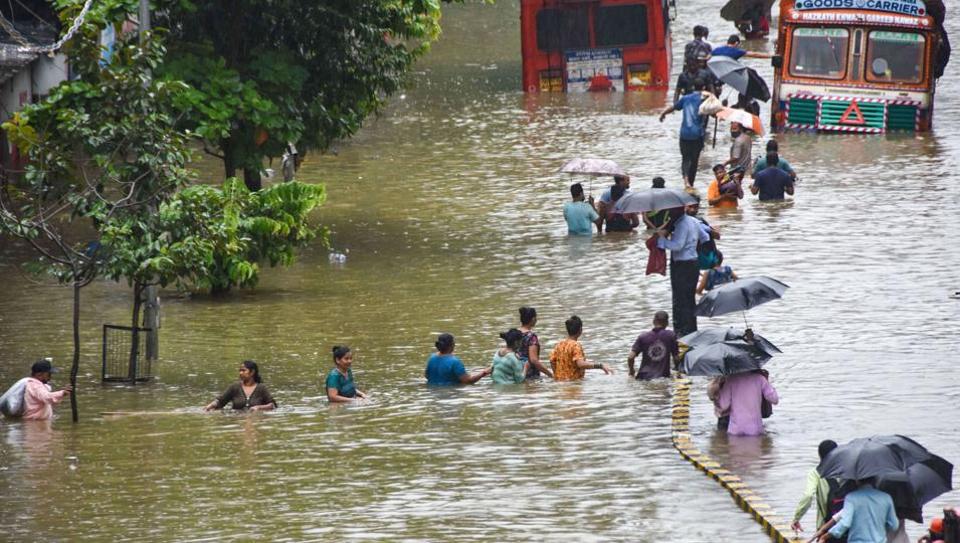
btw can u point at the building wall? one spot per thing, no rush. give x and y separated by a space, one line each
48 73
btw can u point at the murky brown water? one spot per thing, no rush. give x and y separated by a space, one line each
450 210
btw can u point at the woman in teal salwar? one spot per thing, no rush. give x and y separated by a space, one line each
340 386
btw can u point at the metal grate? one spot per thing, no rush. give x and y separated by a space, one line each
902 117
802 111
117 366
833 110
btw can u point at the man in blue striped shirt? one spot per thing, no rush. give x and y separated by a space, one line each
684 271
867 515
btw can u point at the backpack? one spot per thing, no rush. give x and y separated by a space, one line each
707 252
838 491
11 403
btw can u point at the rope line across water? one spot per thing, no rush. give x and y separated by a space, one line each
745 498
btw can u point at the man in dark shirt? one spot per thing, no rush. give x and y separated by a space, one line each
698 44
657 346
772 182
695 70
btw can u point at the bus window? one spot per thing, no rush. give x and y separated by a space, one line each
621 25
560 29
895 56
819 52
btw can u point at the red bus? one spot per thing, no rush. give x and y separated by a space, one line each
588 45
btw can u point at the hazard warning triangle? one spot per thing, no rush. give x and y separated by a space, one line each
855 110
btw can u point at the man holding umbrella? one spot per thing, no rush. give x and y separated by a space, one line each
684 268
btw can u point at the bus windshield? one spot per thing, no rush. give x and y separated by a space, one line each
621 25
819 52
895 56
560 29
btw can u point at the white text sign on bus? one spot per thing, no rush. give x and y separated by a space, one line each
915 8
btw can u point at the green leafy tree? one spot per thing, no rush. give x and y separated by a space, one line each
266 72
101 148
214 238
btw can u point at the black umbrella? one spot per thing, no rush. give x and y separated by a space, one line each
740 295
726 358
709 336
742 78
917 486
653 200
867 457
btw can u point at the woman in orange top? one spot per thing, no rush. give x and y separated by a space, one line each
568 360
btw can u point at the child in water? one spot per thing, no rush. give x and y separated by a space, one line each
716 276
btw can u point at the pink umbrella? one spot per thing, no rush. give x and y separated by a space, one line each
747 119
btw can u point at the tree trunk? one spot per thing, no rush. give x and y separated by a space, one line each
229 158
135 332
251 178
151 320
75 367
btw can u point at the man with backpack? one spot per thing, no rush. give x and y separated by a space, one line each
38 399
867 516
817 491
697 45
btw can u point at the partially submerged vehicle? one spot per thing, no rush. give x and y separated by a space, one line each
595 45
867 66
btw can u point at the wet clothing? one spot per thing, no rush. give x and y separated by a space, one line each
529 339
343 384
781 163
580 217
657 259
684 271
691 127
444 370
866 516
713 192
562 360
741 151
690 158
693 47
772 183
240 401
742 394
691 134
621 222
658 218
717 277
685 80
39 400
816 491
683 242
656 348
507 369
607 196
729 51
684 275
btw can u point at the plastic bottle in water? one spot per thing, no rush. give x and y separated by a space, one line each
337 258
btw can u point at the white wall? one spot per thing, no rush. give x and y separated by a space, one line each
48 73
16 92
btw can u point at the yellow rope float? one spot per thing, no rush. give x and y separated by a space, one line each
743 496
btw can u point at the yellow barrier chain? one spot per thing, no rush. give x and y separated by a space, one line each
746 499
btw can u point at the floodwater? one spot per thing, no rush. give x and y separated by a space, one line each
449 208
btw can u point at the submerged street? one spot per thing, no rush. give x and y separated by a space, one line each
448 208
